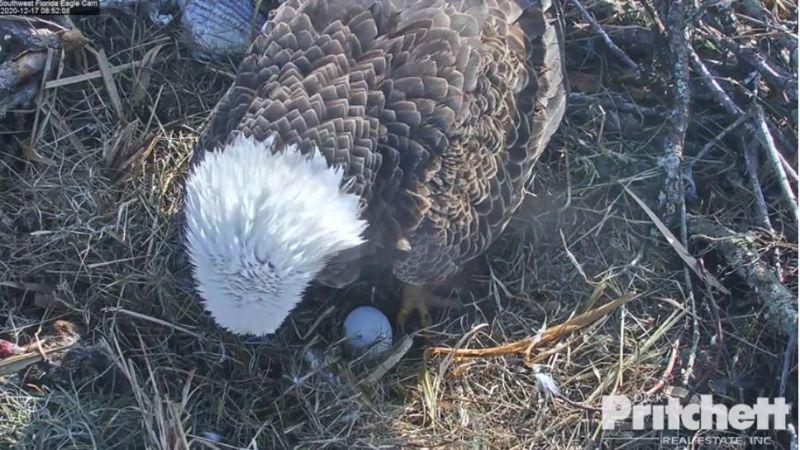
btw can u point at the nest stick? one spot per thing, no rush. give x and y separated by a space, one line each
787 167
667 375
772 156
679 118
717 91
788 360
611 100
779 302
615 50
551 334
692 358
18 75
42 38
719 137
760 128
751 161
775 77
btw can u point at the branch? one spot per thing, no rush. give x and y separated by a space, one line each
779 302
788 357
673 194
616 51
717 91
19 75
759 128
42 38
719 137
772 155
774 76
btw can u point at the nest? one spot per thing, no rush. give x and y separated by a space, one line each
91 172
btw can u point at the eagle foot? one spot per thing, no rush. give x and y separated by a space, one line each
420 299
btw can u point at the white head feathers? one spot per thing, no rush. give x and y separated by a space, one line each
261 225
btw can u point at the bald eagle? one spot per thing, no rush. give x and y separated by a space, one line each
399 132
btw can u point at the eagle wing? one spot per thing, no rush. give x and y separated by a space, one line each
511 102
436 110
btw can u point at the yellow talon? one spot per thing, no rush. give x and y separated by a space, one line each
419 298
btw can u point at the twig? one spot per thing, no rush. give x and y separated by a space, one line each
57 22
719 337
783 144
673 193
551 334
779 302
751 57
772 155
760 128
667 375
717 91
687 280
719 137
41 38
137 315
751 161
642 347
787 167
689 372
788 360
580 405
651 11
108 80
588 17
90 75
390 361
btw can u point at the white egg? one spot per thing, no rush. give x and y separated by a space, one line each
367 331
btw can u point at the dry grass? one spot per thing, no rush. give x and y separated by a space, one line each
88 233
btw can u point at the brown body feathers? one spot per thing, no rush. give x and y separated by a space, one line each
437 110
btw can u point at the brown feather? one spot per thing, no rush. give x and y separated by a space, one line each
437 110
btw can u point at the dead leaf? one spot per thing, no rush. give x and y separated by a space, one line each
115 152
139 151
88 75
108 80
142 81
